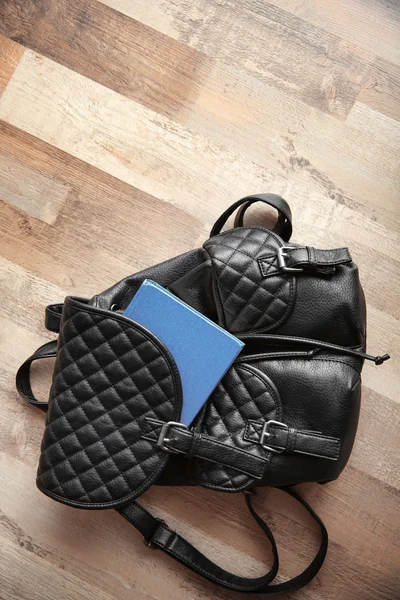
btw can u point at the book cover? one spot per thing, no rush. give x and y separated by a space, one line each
202 350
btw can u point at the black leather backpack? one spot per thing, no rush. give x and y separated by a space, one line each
285 413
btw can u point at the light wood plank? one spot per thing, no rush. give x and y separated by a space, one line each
125 139
159 71
10 55
377 124
381 89
373 26
377 444
24 297
383 336
310 152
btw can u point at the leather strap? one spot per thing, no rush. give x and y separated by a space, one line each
52 317
279 438
283 226
309 257
22 379
158 535
184 441
303 258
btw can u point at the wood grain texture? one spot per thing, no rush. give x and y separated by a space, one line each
377 23
271 44
106 46
94 199
10 54
375 123
30 190
381 88
126 128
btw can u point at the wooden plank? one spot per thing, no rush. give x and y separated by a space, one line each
381 88
75 253
185 169
125 139
373 26
219 525
377 444
16 570
10 54
110 48
135 60
30 190
377 124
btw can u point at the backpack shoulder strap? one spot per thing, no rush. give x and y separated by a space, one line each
157 535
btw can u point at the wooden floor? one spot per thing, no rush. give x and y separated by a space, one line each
126 127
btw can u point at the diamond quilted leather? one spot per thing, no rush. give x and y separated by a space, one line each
247 298
244 394
110 374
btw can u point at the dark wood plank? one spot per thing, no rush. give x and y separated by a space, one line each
10 54
110 48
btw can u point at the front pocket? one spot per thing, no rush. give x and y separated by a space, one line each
110 375
244 395
315 401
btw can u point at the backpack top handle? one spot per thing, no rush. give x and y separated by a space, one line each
283 226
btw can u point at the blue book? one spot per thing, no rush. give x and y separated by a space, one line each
202 350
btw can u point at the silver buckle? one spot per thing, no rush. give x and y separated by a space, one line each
265 433
282 255
162 440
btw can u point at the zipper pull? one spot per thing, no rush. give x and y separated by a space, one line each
378 360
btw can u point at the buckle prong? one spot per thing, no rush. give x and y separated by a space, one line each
283 255
162 439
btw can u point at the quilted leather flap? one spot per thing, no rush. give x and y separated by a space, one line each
110 375
251 293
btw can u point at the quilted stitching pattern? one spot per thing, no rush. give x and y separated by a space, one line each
244 394
253 431
248 299
109 376
269 265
